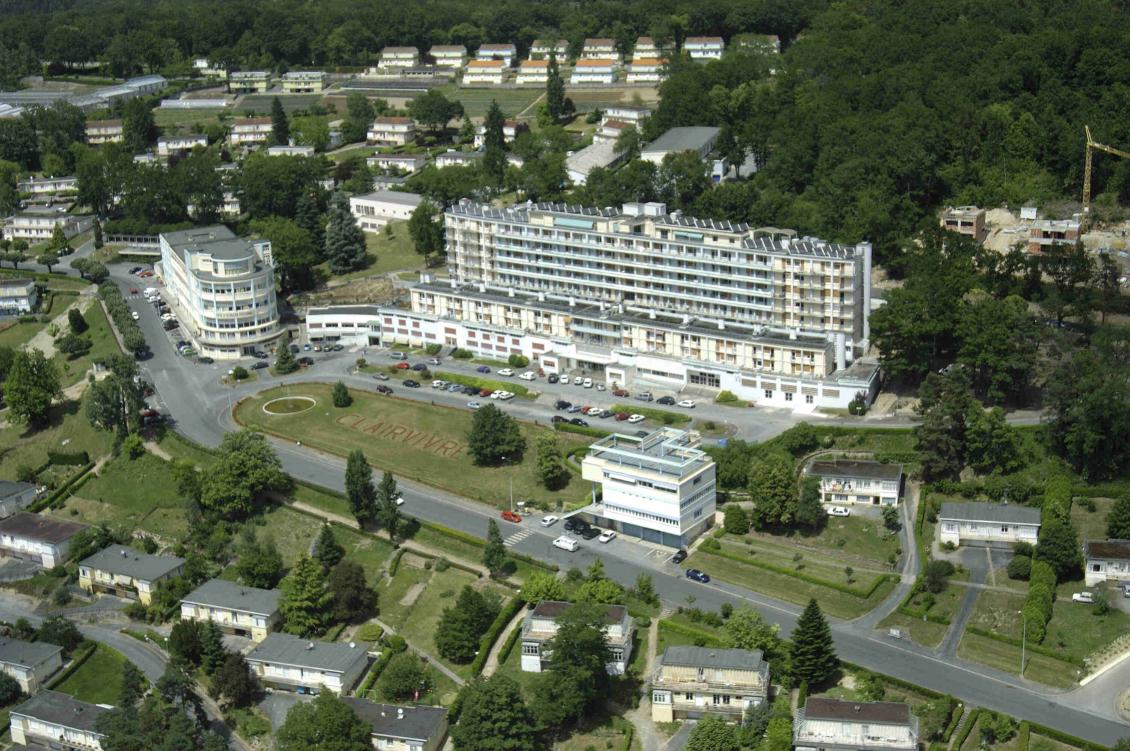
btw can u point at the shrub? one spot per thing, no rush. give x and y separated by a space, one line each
461 354
370 632
239 373
935 574
726 397
133 446
735 520
433 349
518 361
1020 567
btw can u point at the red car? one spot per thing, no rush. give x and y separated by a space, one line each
510 516
402 366
620 393
621 416
486 392
134 291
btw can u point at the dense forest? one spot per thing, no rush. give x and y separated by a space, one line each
878 111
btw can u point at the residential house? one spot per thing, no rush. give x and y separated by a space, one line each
179 144
1048 232
235 608
103 131
290 151
966 220
504 53
610 131
542 48
249 81
52 719
691 682
392 131
37 223
402 162
251 130
976 521
303 81
510 131
704 48
767 43
30 663
15 294
458 158
699 139
127 572
646 70
1106 560
628 113
484 71
533 72
837 725
594 70
374 210
394 59
17 297
646 47
848 481
39 539
599 49
449 55
291 663
47 186
397 728
600 153
541 625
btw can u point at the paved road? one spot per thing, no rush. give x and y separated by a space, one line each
191 394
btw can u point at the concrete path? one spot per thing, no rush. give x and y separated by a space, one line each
491 664
948 647
640 717
459 680
911 565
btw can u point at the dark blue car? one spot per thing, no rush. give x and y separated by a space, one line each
698 576
483 369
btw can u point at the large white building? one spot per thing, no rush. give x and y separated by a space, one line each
646 70
347 325
249 81
224 289
533 72
599 49
37 224
449 55
988 523
399 58
303 81
392 131
698 139
484 71
505 53
374 210
659 488
541 49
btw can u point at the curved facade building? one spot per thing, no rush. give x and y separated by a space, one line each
223 287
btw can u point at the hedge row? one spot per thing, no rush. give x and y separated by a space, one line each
966 729
1023 734
1037 607
122 317
81 655
394 564
629 732
334 633
505 615
379 666
1062 737
55 497
955 717
68 458
659 415
568 427
710 640
897 682
508 647
1034 648
484 383
860 593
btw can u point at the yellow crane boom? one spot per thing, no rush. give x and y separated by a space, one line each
1092 145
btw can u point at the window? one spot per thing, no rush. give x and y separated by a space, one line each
1004 528
688 696
788 396
1096 567
530 649
808 399
768 393
722 699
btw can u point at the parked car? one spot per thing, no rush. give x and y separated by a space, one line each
838 511
679 557
579 421
620 393
686 403
548 521
558 418
510 516
307 361
562 404
454 387
605 413
566 543
135 315
665 400
411 384
529 375
552 378
204 360
306 346
439 384
434 361
382 389
607 536
572 408
470 391
399 499
636 418
644 396
600 387
473 405
621 416
402 366
698 576
578 381
486 392
587 383
259 365
337 348
317 348
506 372
504 395
398 355
169 325
419 367
1083 597
589 533
570 524
380 376
482 369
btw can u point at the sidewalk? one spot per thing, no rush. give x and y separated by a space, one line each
491 664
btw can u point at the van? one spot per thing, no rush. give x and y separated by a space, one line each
566 543
398 355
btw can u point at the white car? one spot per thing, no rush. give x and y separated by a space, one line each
1083 597
135 315
600 387
607 536
506 372
473 405
503 395
587 383
399 498
439 384
592 411
635 418
688 403
167 316
838 511
495 394
565 542
548 521
577 380
529 375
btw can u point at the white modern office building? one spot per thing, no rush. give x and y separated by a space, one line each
223 288
374 210
659 488
347 325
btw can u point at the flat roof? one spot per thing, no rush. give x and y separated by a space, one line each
233 596
217 241
393 196
667 451
284 649
852 468
118 559
980 511
888 712
690 138
713 657
36 527
362 310
57 708
26 654
392 721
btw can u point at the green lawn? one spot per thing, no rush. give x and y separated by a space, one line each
476 102
102 339
386 254
1091 525
415 440
68 429
135 493
1002 656
261 103
185 120
586 100
926 633
856 540
18 334
180 448
98 680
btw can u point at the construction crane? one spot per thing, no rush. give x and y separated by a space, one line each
1092 144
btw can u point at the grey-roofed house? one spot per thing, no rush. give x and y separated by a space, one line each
845 481
397 728
52 719
1106 560
16 496
291 663
30 663
699 139
692 682
540 627
235 608
836 725
991 523
39 539
126 572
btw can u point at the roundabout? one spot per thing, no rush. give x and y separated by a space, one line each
289 405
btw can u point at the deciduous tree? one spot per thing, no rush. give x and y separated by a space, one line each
325 724
495 437
32 385
773 487
246 471
712 733
494 718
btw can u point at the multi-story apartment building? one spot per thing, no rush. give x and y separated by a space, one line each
235 608
628 113
659 488
179 144
541 625
303 81
510 131
251 130
484 71
541 49
38 223
646 70
646 47
40 539
1048 232
704 48
851 482
126 572
965 220
594 70
249 81
449 55
17 296
504 53
30 663
396 728
1106 560
103 131
223 287
989 523
836 725
403 162
692 682
395 59
291 663
533 72
392 131
599 49
54 720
